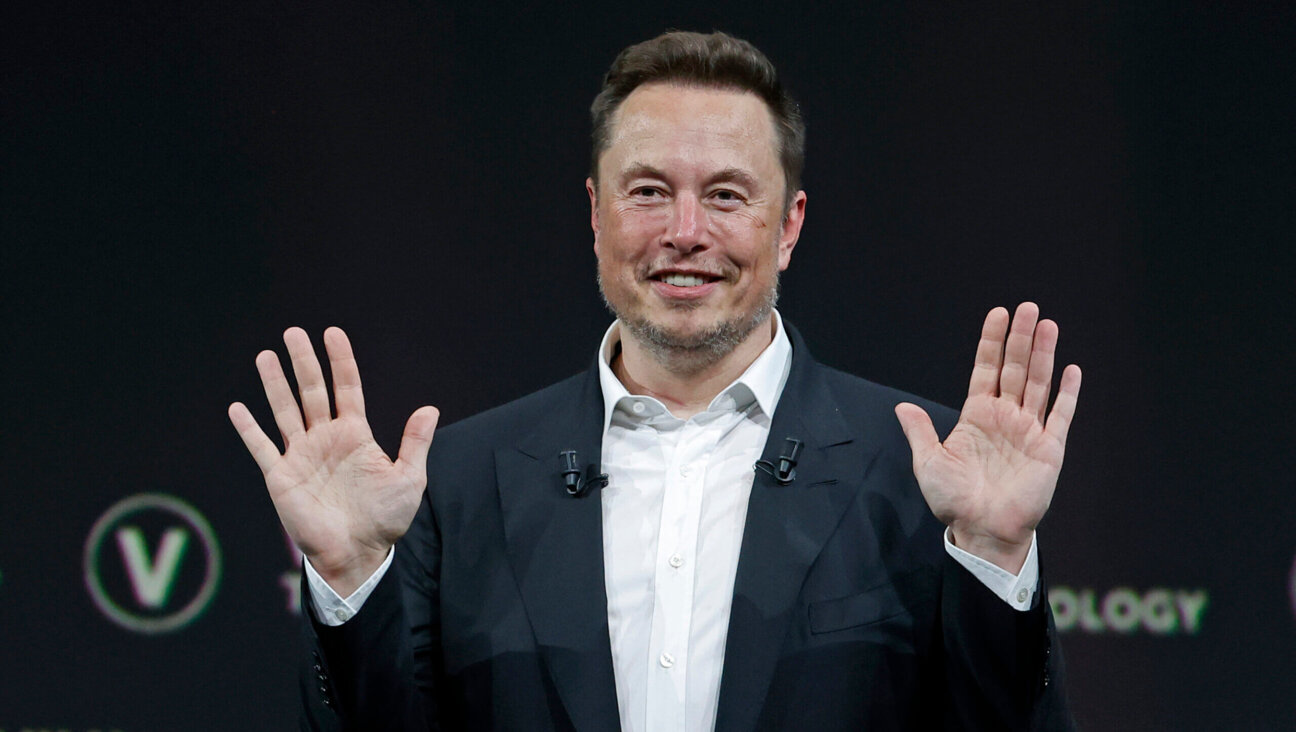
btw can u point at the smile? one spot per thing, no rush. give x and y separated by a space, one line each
684 286
685 279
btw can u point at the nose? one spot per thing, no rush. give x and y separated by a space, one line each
687 229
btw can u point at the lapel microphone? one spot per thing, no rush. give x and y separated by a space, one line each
576 484
785 472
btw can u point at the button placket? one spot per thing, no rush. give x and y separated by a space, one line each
674 577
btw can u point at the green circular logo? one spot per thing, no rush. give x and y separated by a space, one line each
152 563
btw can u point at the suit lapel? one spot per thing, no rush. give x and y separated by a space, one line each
786 528
555 546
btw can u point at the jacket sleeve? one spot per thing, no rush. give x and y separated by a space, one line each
1003 667
380 669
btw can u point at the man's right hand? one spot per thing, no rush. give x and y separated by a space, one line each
340 498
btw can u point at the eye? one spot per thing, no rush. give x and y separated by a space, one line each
726 197
646 192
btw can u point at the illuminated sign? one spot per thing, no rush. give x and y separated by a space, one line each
152 564
1158 611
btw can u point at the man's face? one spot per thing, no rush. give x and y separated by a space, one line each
689 223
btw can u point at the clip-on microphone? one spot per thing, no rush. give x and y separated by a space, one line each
576 484
785 472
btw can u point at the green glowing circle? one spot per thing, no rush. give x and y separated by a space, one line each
191 610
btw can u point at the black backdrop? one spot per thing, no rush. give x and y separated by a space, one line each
181 183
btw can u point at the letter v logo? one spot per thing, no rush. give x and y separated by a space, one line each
152 580
149 587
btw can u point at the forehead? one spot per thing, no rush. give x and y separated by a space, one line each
661 122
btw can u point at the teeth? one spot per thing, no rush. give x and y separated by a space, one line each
680 280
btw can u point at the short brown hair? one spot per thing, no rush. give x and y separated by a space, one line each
714 59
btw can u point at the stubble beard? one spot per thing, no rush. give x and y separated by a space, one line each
693 353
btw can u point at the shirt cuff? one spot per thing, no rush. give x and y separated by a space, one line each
1016 590
332 609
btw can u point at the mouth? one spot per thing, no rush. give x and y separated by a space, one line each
685 279
677 286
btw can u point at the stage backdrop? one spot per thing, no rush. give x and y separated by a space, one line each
179 183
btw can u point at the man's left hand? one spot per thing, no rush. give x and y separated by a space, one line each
993 478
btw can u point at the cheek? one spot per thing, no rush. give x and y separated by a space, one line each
784 257
616 265
748 230
636 226
627 237
751 219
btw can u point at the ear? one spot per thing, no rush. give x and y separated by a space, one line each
594 220
790 229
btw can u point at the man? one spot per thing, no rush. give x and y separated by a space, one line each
707 530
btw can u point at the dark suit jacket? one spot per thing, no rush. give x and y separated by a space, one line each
847 611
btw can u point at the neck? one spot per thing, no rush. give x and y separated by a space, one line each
684 385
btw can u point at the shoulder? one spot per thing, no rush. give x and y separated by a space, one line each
463 454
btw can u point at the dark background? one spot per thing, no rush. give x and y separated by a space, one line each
179 184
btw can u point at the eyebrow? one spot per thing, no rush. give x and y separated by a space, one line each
731 174
736 175
641 170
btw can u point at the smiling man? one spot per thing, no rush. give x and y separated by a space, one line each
691 228
707 529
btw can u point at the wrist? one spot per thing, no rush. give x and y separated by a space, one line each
345 574
1008 555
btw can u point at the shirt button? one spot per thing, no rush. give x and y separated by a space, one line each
342 614
676 561
666 660
638 407
1021 595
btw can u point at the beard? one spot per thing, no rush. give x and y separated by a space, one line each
693 352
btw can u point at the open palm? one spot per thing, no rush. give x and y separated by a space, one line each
340 497
993 477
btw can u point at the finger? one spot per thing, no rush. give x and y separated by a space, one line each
1040 378
1059 421
282 403
989 355
310 379
416 440
1017 352
918 430
347 394
263 450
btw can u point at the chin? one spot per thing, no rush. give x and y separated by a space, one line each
685 330
690 336
709 341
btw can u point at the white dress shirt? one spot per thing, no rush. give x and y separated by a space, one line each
673 517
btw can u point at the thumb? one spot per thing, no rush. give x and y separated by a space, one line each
417 439
918 429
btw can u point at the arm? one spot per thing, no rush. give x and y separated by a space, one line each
1002 667
383 665
990 482
993 477
344 502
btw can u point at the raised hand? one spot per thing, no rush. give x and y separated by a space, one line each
993 478
340 497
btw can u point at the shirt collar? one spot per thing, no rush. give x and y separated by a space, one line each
762 382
